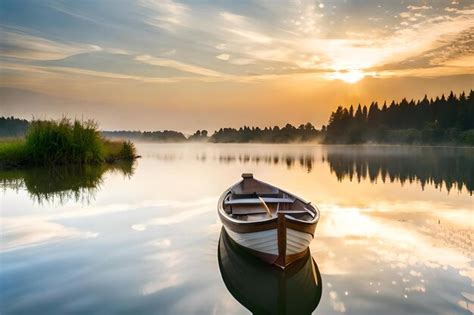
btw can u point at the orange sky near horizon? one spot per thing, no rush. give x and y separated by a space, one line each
188 65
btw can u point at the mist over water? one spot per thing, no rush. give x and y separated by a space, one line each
395 235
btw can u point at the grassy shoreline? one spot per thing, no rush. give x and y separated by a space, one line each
63 142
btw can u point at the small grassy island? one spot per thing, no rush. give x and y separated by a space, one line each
62 142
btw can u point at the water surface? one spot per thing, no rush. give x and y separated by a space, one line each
395 235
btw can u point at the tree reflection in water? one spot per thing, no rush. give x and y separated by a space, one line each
438 166
451 167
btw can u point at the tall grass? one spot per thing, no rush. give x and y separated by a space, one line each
64 141
13 152
50 142
115 150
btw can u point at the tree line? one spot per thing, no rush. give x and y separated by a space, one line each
440 120
289 133
13 127
426 121
158 136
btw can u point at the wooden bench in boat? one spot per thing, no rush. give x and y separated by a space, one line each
248 211
236 210
250 201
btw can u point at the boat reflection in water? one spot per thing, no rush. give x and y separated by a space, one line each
266 289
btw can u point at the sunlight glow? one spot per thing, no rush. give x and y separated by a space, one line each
351 76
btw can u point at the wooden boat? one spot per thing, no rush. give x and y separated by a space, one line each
266 289
269 222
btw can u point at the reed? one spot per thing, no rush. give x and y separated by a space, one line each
51 142
64 141
13 152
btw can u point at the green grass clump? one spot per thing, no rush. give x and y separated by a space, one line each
50 142
63 142
115 150
13 152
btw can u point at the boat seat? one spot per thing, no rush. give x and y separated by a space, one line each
249 201
247 211
292 211
252 195
305 211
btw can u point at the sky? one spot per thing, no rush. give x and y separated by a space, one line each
188 65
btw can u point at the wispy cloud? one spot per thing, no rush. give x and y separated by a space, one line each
223 57
242 61
181 66
418 8
18 45
166 14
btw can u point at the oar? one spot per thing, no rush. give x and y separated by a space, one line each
265 205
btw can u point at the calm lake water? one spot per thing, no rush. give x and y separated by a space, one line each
395 235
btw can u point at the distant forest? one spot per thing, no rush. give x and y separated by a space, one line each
158 136
443 120
276 134
12 127
289 133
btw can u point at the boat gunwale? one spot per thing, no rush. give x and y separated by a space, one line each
224 214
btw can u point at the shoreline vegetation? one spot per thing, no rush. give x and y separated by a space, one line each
440 121
286 134
62 142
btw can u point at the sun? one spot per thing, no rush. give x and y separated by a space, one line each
349 76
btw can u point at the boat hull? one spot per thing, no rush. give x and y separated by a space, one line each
264 244
279 241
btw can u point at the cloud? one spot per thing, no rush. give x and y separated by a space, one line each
418 8
166 14
242 61
223 57
466 61
23 46
245 29
233 18
457 52
170 63
117 51
66 71
460 11
168 52
251 35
